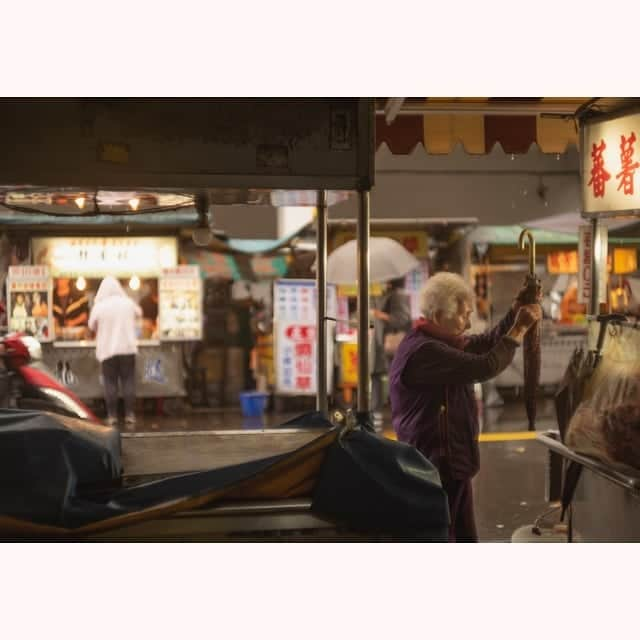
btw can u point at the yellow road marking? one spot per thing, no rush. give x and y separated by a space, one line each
505 437
487 437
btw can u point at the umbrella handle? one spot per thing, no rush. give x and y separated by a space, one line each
527 235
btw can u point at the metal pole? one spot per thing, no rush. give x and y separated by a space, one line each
321 290
363 300
596 266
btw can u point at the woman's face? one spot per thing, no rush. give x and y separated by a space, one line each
459 322
36 297
19 299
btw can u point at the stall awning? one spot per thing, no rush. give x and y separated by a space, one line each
439 124
508 235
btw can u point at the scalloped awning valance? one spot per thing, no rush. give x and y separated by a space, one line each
439 124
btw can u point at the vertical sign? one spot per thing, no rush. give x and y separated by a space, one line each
295 330
180 303
586 248
611 164
414 282
29 307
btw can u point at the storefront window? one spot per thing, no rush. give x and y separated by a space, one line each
73 300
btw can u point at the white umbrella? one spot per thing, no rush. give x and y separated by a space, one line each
388 260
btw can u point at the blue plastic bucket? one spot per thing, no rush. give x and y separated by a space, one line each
253 403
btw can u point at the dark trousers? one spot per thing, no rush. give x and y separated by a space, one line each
377 392
123 369
463 523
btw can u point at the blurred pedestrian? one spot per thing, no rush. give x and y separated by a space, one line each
113 320
391 321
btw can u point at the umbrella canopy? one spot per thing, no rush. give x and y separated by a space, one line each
388 260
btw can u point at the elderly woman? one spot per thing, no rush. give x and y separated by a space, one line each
432 403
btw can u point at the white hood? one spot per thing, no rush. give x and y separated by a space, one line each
109 287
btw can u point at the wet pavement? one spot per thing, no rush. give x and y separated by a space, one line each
509 489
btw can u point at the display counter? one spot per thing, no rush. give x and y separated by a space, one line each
606 501
159 368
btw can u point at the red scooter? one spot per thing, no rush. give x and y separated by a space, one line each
30 385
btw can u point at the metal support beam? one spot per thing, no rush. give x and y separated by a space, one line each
363 300
321 291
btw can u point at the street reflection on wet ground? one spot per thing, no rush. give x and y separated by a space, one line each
509 489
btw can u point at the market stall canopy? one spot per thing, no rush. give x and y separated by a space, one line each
509 234
569 223
256 247
439 124
245 259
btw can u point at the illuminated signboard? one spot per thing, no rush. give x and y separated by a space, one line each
98 257
625 260
610 163
559 262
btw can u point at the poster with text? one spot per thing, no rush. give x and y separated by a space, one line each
29 301
295 327
180 303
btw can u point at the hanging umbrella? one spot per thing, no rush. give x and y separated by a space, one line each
388 260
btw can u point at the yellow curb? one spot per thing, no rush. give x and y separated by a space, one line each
487 437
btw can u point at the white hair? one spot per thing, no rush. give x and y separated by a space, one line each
444 292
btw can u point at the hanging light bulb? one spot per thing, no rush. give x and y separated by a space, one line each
134 203
134 283
80 200
81 284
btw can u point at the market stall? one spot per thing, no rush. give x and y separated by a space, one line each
598 404
296 152
498 268
53 299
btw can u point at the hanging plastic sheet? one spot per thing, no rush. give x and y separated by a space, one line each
606 424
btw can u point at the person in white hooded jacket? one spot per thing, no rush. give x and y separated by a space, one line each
113 320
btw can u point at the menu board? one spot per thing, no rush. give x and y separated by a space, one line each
97 257
180 303
295 327
29 301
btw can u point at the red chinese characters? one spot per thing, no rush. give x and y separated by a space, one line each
303 349
628 166
300 332
599 175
